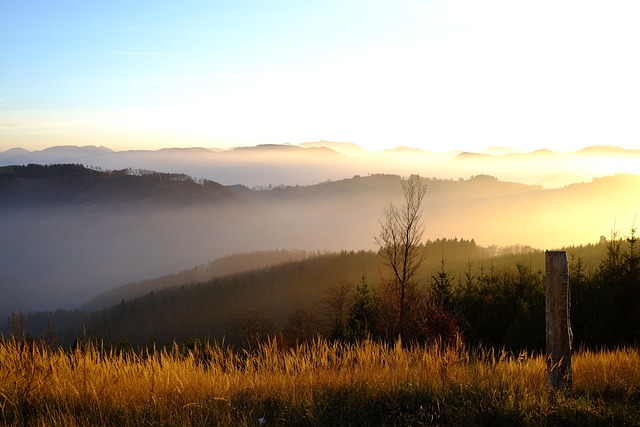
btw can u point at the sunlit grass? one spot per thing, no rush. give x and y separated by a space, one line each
316 384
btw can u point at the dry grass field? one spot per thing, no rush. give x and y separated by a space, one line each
316 384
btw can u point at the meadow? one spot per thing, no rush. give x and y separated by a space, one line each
318 383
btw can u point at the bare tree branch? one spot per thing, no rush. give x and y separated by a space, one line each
399 240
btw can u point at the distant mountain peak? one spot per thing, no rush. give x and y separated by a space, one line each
543 151
500 151
285 148
471 155
606 149
348 148
186 150
16 151
77 148
267 147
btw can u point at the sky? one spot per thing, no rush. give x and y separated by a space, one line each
435 75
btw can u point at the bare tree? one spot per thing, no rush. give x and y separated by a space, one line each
399 240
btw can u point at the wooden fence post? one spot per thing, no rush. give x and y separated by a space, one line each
557 307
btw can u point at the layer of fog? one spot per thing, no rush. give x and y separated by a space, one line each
61 257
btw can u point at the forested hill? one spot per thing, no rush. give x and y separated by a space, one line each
225 266
72 184
457 252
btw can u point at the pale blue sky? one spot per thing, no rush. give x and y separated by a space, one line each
437 75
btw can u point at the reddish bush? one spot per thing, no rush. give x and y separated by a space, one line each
431 323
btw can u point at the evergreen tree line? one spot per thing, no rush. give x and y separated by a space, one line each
497 307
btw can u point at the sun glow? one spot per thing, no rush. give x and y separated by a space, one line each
439 76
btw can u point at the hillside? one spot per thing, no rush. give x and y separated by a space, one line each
75 185
457 253
225 266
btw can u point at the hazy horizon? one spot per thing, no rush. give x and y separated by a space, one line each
311 163
344 147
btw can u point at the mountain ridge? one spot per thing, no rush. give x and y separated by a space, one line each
314 162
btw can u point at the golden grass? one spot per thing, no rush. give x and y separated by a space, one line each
315 384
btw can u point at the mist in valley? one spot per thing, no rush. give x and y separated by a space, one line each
64 251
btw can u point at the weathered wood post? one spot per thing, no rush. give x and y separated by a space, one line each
557 307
